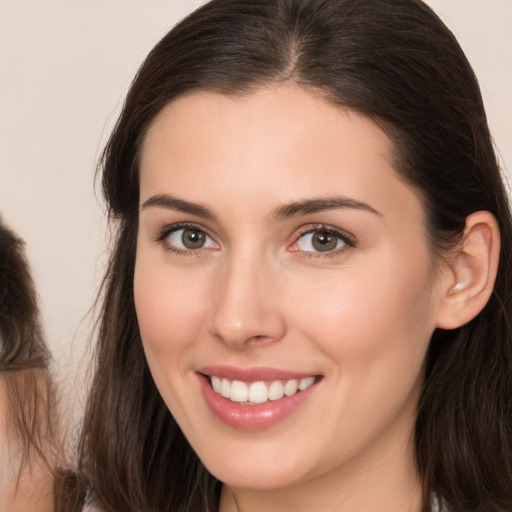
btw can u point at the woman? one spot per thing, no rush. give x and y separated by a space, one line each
28 426
308 304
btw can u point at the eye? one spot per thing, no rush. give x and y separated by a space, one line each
322 240
188 238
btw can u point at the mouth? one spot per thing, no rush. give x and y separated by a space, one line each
255 399
259 392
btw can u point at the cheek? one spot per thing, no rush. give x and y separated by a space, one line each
168 308
374 328
382 316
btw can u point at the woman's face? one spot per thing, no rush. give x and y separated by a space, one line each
279 254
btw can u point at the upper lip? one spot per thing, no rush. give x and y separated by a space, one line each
253 374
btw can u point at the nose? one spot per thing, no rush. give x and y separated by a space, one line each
248 305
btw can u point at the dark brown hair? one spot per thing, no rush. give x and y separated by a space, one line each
395 62
24 358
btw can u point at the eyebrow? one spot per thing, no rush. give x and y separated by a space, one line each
180 205
315 205
286 211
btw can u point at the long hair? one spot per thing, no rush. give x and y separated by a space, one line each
396 63
27 388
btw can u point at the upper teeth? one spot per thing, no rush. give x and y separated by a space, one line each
259 392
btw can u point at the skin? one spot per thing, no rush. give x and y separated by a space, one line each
258 295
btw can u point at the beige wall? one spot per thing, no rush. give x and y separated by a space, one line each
64 69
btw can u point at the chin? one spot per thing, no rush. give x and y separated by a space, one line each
247 471
256 479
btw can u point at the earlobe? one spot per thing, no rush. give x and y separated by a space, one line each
472 268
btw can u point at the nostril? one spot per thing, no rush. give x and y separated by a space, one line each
259 339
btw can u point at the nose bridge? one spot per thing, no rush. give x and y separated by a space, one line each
247 308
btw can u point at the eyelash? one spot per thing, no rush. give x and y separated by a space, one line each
348 239
342 235
165 232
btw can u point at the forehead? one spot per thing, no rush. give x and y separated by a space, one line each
281 144
288 111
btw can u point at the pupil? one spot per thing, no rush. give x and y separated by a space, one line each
193 239
323 241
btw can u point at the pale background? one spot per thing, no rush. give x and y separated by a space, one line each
65 66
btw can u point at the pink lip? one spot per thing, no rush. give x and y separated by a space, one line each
252 417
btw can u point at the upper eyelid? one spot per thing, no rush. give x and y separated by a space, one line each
328 228
166 230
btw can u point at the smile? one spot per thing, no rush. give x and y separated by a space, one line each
253 393
255 399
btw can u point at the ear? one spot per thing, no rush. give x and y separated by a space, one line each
469 279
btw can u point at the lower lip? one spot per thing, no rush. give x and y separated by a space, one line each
252 417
